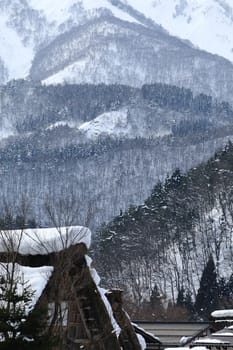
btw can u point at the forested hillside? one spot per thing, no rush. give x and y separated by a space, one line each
163 246
53 143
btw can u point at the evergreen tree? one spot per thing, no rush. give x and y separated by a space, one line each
20 327
229 288
180 301
156 304
208 294
226 292
184 304
188 303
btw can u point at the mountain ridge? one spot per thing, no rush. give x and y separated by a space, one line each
114 51
31 22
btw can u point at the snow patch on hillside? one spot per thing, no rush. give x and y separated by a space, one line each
123 123
113 123
61 123
70 74
6 131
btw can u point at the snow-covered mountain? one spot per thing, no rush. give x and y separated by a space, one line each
109 50
26 25
208 24
118 41
97 41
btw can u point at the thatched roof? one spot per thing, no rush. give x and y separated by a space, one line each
55 263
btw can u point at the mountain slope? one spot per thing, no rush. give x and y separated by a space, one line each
76 11
207 24
28 25
167 241
58 145
109 41
21 30
110 50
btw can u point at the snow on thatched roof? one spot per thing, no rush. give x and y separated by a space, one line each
37 248
146 334
102 291
43 240
209 340
34 277
222 314
225 332
187 348
30 242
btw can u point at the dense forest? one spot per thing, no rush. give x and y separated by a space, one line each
164 246
47 157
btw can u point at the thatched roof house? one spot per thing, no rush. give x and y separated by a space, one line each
54 261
